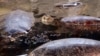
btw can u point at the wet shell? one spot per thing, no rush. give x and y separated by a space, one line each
80 19
68 47
82 22
18 21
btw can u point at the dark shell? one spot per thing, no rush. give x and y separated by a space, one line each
68 47
82 22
